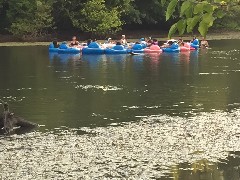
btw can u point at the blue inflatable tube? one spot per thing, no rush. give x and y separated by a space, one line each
138 51
69 51
112 51
174 48
93 48
171 50
118 49
63 49
137 48
144 45
51 48
88 50
196 46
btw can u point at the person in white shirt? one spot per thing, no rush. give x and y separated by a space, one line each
123 40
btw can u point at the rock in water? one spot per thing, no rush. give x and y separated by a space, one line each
8 121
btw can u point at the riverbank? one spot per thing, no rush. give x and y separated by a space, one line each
161 36
24 44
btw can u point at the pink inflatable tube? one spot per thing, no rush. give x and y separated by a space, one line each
192 49
153 49
185 48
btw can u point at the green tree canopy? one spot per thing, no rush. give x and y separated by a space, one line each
196 13
29 17
104 17
96 18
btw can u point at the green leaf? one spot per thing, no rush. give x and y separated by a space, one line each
203 28
181 26
189 21
192 22
189 11
189 28
208 19
171 8
209 8
198 8
185 6
172 30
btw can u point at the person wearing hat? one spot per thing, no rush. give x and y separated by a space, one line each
123 40
108 40
143 42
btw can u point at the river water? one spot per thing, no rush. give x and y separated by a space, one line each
168 116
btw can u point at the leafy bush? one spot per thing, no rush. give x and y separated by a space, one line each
231 19
96 18
29 17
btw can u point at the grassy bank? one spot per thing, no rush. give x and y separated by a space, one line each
133 37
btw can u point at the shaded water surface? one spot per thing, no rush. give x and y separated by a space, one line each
167 116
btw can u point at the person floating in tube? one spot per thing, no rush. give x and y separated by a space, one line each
74 42
195 40
55 43
123 40
204 43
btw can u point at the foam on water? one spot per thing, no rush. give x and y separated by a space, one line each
98 87
137 150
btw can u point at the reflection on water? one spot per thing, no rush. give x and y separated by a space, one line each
153 116
63 57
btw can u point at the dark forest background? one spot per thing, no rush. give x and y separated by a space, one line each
31 19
